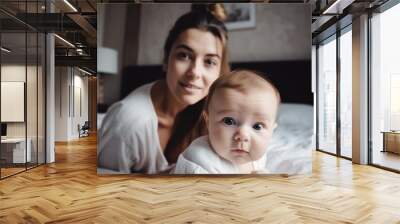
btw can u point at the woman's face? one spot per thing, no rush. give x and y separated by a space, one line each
194 63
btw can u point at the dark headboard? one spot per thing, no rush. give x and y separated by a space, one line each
292 78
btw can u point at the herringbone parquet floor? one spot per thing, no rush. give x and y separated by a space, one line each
69 191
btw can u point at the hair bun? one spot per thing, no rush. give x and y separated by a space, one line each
216 9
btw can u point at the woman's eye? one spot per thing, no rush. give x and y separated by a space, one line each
258 126
183 56
211 62
228 121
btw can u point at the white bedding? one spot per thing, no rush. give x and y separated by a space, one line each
291 145
290 149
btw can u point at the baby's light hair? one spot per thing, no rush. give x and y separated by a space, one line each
241 80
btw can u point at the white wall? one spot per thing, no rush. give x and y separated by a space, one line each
68 81
14 72
33 126
17 72
155 22
282 32
80 83
62 81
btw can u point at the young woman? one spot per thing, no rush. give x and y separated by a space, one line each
146 131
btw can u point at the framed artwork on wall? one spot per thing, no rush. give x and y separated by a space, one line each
129 143
240 15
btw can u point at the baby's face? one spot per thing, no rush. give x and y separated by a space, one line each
241 124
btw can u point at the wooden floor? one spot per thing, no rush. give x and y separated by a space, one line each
10 171
5 172
69 191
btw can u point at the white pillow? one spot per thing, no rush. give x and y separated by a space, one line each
296 114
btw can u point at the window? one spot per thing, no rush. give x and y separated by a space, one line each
385 84
333 137
327 95
346 93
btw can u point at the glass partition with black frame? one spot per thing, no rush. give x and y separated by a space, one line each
14 152
334 94
384 113
22 90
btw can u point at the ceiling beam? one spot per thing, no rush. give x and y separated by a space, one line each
86 26
84 61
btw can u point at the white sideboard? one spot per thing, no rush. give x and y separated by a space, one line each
16 148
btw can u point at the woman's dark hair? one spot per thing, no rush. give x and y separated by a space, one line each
189 123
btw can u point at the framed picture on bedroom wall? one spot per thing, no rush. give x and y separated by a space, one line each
240 15
152 112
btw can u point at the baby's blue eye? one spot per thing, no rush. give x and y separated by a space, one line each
258 126
229 121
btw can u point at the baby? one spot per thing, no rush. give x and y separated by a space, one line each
241 112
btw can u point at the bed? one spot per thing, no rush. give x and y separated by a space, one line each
290 150
291 146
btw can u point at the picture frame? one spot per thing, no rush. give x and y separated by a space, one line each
285 156
240 15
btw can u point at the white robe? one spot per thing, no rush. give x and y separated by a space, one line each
200 158
128 139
